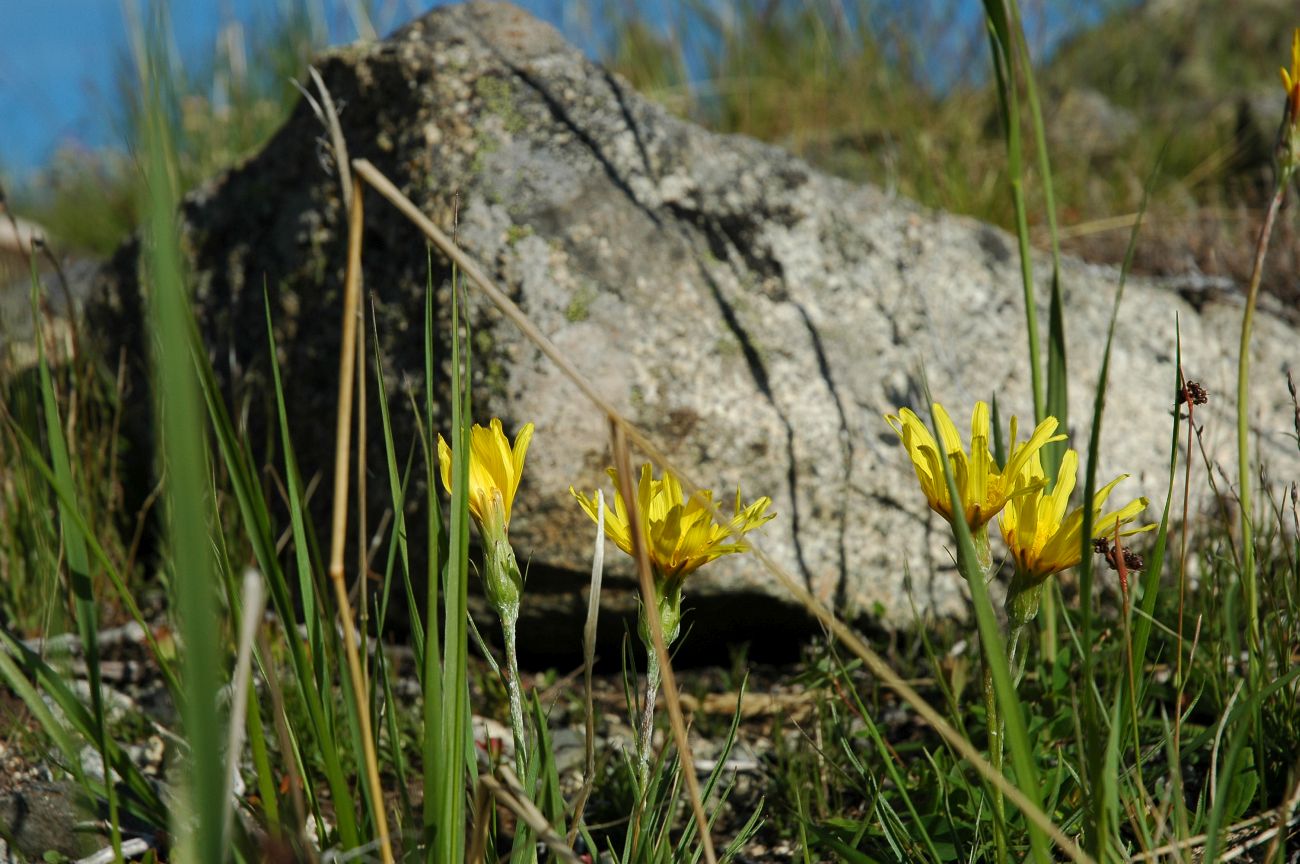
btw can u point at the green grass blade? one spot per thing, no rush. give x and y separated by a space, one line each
256 521
842 850
311 607
455 702
102 559
185 459
1219 807
1017 735
352 726
75 548
891 768
21 668
1097 780
999 440
397 493
1002 45
432 745
1057 397
21 685
552 799
265 774
390 564
1156 560
1110 759
391 709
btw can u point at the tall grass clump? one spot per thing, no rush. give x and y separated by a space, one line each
198 823
1114 748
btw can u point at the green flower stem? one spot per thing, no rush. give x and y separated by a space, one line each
1251 597
509 617
503 584
645 741
1023 598
669 601
1016 654
995 726
1287 164
997 746
983 552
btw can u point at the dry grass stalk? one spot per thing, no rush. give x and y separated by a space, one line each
252 603
505 787
589 660
338 534
623 461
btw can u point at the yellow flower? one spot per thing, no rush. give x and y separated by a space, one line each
1288 146
1291 80
494 471
680 534
984 488
1041 538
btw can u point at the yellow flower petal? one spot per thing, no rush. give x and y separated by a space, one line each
983 487
1041 538
681 534
1291 80
444 462
495 468
981 460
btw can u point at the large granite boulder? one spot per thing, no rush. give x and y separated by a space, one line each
757 318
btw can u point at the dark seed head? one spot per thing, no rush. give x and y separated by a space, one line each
1192 393
1132 560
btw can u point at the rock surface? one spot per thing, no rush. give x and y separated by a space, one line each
755 317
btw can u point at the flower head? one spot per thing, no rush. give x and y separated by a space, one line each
983 487
1042 539
681 534
1288 145
1291 79
494 470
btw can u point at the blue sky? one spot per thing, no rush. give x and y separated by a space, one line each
59 58
56 61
